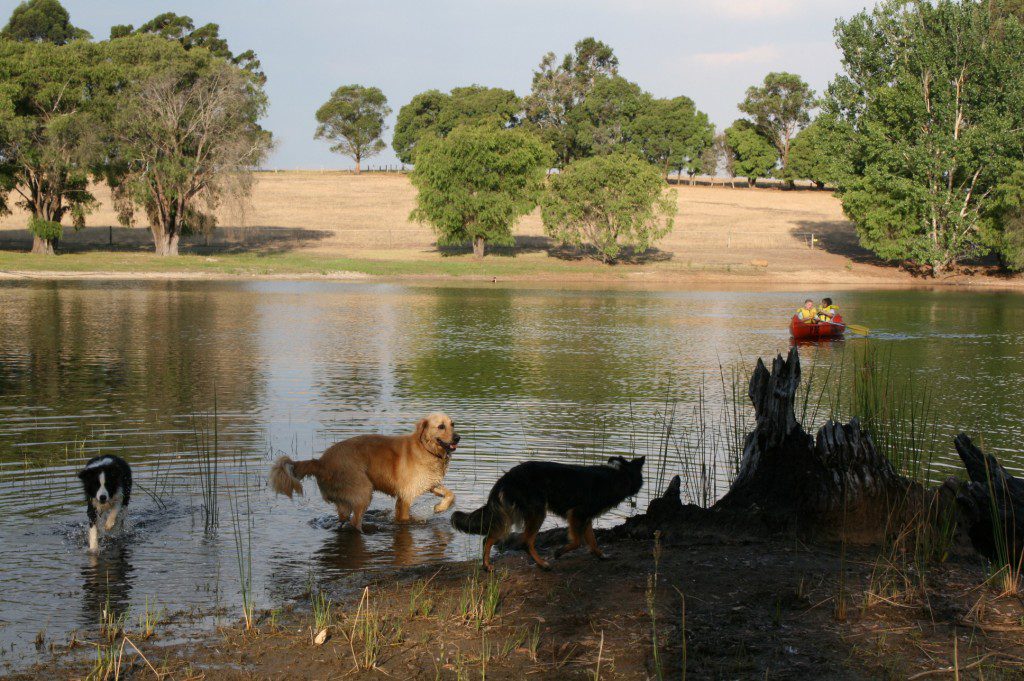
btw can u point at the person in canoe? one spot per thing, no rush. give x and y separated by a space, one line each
807 314
827 311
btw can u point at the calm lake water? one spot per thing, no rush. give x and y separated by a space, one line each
140 368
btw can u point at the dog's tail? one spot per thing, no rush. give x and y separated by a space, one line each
286 475
490 519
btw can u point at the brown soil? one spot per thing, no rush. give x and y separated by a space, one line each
755 608
736 233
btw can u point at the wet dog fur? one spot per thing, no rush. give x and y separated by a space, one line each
107 484
401 466
525 494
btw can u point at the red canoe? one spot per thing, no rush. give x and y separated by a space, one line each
820 331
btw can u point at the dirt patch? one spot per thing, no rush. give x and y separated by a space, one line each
726 604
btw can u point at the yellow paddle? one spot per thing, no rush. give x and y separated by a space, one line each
856 328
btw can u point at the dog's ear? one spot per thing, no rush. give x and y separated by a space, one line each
616 461
421 427
81 474
639 462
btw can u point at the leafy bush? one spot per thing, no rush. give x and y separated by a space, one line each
608 202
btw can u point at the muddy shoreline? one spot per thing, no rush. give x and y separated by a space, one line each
747 605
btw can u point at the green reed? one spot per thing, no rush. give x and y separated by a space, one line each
241 525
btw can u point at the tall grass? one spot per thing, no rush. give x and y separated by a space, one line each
241 525
206 441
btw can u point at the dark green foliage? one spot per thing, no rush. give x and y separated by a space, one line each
476 182
608 202
560 88
604 121
673 135
182 29
436 113
48 129
353 118
779 108
753 155
928 120
42 21
809 156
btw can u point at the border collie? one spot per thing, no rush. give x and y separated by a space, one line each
107 483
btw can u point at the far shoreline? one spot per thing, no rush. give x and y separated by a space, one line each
634 280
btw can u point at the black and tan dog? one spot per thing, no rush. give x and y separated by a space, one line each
526 493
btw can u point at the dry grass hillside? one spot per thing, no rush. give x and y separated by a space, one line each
367 216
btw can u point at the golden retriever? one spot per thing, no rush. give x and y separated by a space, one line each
401 466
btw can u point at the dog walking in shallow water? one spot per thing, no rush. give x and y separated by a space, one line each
526 493
402 466
107 484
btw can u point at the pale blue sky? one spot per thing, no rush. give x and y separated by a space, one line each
708 50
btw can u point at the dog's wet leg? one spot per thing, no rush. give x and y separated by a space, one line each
588 534
447 498
402 510
344 511
530 529
111 519
488 545
357 517
575 532
94 537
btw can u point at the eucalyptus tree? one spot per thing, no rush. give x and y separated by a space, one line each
184 135
608 202
476 182
779 108
44 21
48 133
673 135
559 88
353 118
752 154
437 113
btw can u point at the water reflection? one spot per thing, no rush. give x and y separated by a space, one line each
89 367
107 581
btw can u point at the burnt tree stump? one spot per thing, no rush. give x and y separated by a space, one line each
835 483
991 505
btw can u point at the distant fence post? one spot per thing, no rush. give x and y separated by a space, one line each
110 235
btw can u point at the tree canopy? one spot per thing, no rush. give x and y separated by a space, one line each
42 21
927 118
48 133
477 181
182 29
779 108
673 135
608 202
559 88
436 113
353 118
185 135
752 154
809 156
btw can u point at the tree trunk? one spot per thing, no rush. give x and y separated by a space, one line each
835 484
751 181
478 246
819 184
43 246
991 504
164 242
357 165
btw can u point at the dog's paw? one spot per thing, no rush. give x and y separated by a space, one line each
544 565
